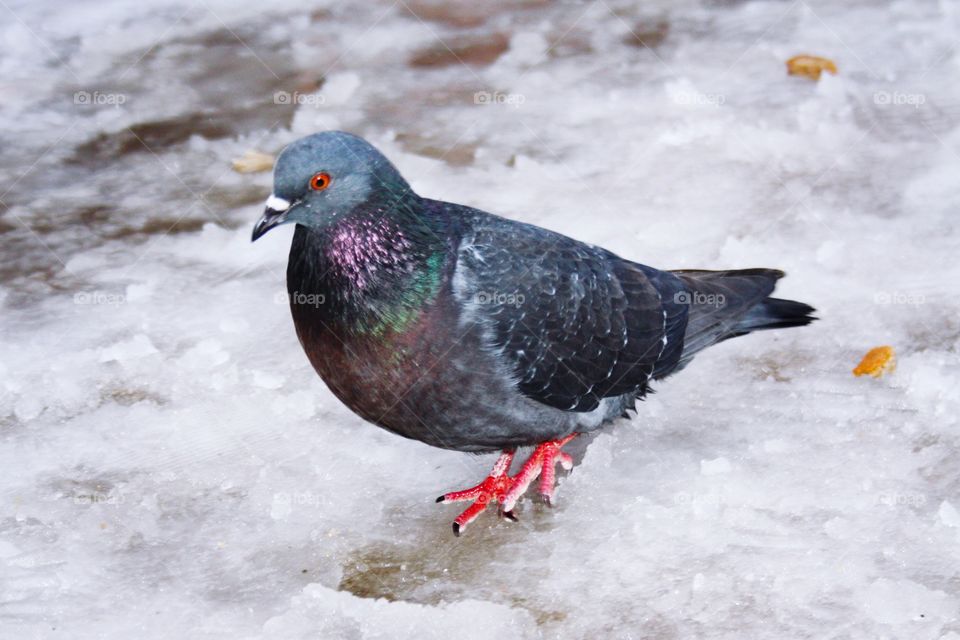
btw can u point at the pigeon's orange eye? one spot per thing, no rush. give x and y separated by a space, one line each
320 181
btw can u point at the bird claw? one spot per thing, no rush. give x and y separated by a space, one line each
500 488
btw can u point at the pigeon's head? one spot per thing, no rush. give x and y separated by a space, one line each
321 178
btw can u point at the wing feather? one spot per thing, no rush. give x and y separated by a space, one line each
574 323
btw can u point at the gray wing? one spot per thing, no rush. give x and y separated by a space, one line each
572 322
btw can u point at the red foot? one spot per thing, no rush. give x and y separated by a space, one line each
499 487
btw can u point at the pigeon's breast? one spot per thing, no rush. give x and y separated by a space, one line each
436 381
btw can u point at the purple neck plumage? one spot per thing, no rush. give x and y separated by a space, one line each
357 250
367 263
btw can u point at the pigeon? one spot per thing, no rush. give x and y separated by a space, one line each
473 332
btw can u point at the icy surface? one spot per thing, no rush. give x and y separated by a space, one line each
170 466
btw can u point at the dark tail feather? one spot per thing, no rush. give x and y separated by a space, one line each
776 313
742 305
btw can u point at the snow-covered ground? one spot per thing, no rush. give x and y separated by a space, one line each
171 467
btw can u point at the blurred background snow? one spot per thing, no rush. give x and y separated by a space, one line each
171 467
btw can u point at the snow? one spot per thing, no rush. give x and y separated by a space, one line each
172 467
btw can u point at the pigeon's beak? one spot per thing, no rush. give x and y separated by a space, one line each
274 215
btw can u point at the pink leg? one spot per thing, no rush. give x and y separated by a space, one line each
490 490
548 474
540 463
501 488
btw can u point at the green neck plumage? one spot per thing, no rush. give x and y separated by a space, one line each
375 274
398 314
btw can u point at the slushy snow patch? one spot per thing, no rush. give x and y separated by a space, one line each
172 466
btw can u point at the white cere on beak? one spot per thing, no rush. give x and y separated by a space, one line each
277 204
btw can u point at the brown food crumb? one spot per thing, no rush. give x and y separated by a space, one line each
876 362
810 66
